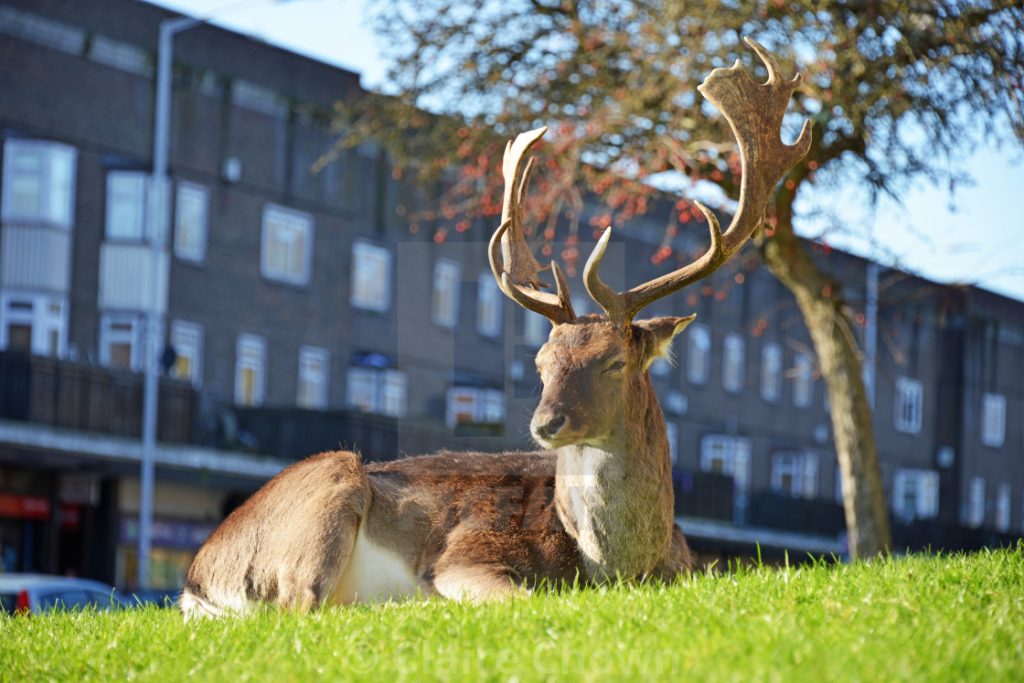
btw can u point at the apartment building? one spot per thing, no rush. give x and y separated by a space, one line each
301 311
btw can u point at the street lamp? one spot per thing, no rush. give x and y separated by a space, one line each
158 204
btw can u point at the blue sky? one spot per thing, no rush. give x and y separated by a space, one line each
980 242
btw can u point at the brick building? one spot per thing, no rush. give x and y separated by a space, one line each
303 313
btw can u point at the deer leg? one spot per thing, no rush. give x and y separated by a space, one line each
477 582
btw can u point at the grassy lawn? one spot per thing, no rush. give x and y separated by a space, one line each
917 618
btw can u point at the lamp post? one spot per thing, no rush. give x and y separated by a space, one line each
158 201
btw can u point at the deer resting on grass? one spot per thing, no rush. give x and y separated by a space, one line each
598 504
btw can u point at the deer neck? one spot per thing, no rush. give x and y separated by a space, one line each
616 499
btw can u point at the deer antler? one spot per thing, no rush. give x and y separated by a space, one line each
754 112
512 262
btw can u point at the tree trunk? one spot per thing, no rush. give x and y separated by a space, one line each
867 520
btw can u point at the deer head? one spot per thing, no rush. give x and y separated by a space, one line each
594 368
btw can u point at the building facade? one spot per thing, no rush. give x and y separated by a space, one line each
302 312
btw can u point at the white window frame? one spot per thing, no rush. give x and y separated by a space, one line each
445 296
1003 504
733 366
251 353
281 228
698 354
380 391
474 405
488 306
133 336
112 229
975 512
924 485
371 277
190 236
187 341
361 388
908 400
802 468
771 372
734 454
803 380
993 420
55 178
311 385
45 314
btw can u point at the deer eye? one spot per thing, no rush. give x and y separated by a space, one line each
615 366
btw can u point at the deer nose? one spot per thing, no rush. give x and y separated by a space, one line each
551 427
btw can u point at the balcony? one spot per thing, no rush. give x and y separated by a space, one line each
70 395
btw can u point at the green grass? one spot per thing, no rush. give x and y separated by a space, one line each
917 618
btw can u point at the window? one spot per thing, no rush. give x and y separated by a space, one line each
126 205
727 455
190 218
286 245
39 182
698 350
993 420
121 341
660 367
672 433
908 405
33 323
374 390
536 328
371 277
475 405
250 370
1003 508
771 372
732 363
803 386
975 514
795 473
445 311
187 342
488 306
313 366
915 494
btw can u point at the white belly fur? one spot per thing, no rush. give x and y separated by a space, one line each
374 574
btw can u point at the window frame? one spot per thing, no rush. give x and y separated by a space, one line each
193 253
771 372
444 300
803 469
191 334
489 306
251 352
908 405
926 499
143 180
275 215
311 384
698 341
38 314
50 152
803 380
733 362
381 302
975 509
993 420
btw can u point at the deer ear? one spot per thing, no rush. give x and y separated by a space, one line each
661 331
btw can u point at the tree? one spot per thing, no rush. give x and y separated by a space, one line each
897 90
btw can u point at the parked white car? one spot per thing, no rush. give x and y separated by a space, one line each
35 593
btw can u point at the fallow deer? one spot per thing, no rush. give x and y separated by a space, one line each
597 504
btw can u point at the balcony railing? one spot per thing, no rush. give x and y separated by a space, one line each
83 397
